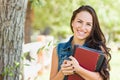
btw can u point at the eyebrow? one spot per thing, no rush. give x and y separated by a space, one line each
87 22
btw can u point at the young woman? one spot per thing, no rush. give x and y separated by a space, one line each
86 32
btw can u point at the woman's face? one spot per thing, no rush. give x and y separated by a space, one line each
82 25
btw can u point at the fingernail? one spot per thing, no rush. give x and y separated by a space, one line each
73 71
73 67
70 59
66 62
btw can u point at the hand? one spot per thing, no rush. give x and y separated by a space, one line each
75 64
67 67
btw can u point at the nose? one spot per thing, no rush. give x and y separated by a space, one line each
82 26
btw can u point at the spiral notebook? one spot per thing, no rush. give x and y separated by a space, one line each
88 58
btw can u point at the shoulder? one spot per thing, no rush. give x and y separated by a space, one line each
61 44
54 52
54 49
58 47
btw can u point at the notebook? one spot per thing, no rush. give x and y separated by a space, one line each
88 58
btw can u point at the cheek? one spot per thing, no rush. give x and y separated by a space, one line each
89 31
74 24
74 29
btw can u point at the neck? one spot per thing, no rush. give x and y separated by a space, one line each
78 41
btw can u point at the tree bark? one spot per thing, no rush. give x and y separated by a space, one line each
12 17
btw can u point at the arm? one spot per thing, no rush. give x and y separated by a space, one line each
89 75
54 74
86 74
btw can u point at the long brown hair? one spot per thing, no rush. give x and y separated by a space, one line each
96 38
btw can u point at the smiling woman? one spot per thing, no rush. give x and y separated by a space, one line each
82 25
87 33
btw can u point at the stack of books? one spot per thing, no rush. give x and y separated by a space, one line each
88 58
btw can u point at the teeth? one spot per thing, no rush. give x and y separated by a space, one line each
81 33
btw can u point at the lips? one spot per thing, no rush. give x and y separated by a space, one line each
80 33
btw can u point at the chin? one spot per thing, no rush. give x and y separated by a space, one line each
81 37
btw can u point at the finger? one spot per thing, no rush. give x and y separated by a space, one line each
70 72
66 65
74 61
65 62
72 58
67 68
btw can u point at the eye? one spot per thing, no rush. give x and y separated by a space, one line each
89 24
79 21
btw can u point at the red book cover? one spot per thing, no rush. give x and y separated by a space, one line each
88 58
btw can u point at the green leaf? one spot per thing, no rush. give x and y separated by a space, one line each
17 64
49 43
27 64
43 47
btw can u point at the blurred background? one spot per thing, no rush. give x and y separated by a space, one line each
48 22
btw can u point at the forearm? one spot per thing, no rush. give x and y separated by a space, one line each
59 76
89 75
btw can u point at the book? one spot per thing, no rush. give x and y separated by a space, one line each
88 58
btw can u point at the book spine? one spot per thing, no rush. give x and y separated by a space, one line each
100 62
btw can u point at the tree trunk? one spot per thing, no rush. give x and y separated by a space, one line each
28 23
12 17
